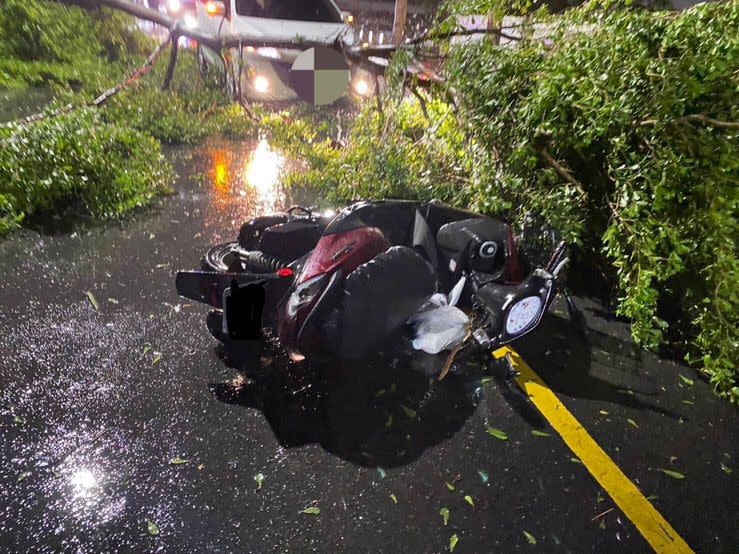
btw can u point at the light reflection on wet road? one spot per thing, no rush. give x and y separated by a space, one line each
96 404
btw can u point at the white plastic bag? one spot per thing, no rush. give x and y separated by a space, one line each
439 325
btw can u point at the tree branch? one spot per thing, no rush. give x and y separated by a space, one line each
562 171
172 62
699 117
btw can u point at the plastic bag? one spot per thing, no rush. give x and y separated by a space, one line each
439 325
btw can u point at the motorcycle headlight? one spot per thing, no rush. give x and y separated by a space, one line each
522 315
305 293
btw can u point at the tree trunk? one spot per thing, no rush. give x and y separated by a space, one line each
401 11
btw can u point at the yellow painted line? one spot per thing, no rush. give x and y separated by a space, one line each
650 523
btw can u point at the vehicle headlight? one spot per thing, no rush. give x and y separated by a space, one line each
261 84
190 21
305 293
522 315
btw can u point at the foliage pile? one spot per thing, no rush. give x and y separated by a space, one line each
619 128
78 162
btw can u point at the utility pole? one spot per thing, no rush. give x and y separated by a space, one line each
401 11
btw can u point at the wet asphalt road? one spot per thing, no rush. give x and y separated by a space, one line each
95 404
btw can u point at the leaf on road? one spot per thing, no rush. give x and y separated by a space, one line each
686 380
394 498
688 402
449 485
312 510
602 524
632 422
469 500
18 419
23 476
201 467
152 528
497 433
444 513
93 301
483 475
113 300
380 393
575 460
409 412
485 380
259 479
382 472
147 347
178 461
603 412
538 433
453 540
389 421
671 473
725 468
529 537
156 359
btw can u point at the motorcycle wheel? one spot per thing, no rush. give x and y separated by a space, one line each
229 257
223 258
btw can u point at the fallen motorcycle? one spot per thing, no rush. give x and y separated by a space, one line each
341 285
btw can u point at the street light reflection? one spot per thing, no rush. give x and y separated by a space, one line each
262 173
83 481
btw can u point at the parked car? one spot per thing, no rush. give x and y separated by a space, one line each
265 73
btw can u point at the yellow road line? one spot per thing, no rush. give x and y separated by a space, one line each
650 523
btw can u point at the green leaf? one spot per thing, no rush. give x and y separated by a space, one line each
409 412
394 498
468 499
529 537
672 473
686 380
453 540
632 422
444 513
483 475
725 468
603 412
688 402
497 433
449 485
312 510
538 433
93 300
18 419
152 528
259 479
23 476
576 460
485 380
147 347
157 359
381 472
178 461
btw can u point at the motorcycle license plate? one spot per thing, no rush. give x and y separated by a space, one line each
243 308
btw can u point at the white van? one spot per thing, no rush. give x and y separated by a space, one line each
265 73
